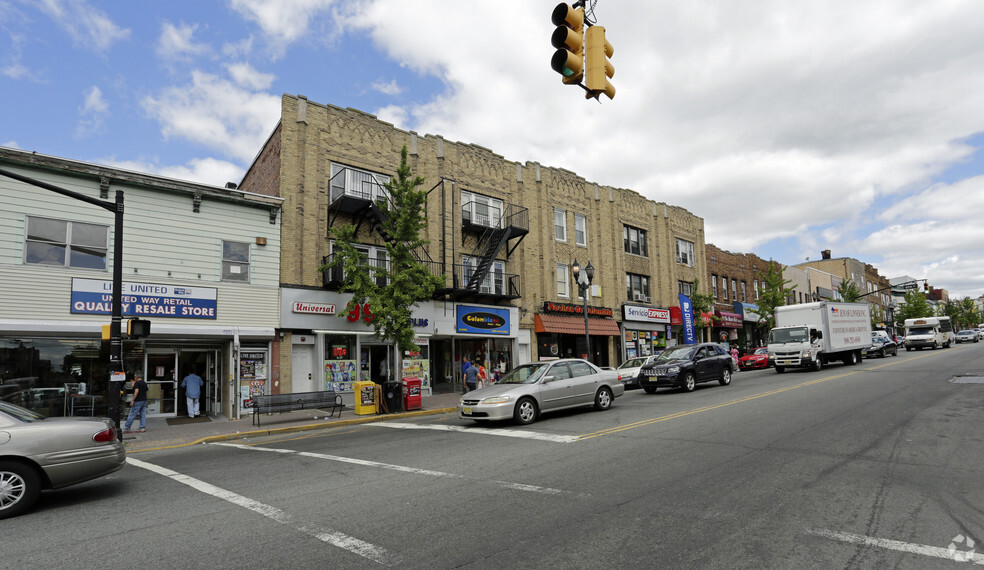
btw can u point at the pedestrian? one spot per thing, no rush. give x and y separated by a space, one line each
192 384
138 405
734 353
471 378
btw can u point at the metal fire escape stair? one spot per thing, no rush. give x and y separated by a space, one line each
490 244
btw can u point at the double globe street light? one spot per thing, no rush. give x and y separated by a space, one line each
583 280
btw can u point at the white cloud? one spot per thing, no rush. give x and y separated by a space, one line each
177 42
282 21
87 25
10 144
202 170
246 76
92 112
217 114
390 87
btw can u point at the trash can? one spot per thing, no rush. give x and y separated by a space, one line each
392 397
365 398
411 394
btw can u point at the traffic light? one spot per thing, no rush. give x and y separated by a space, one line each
926 286
599 70
137 328
568 38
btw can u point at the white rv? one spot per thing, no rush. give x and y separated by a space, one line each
928 332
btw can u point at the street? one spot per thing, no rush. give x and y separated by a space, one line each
870 466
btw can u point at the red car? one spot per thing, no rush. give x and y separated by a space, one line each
758 358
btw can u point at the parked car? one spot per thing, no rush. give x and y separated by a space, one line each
967 336
628 371
758 358
50 453
531 389
980 333
881 345
687 365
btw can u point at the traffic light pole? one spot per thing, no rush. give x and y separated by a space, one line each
116 375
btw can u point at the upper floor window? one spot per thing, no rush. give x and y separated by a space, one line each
755 287
373 256
356 182
481 210
685 252
494 281
580 230
744 297
714 286
734 289
686 287
724 288
66 244
560 224
563 281
635 241
637 288
235 261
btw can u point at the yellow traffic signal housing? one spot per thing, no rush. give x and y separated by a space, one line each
568 38
106 334
599 70
138 328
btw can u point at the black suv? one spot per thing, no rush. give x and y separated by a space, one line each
687 365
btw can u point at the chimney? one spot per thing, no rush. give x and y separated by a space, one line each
825 254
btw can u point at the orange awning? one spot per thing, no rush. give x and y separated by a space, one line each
574 325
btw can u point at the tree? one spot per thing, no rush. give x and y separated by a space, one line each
949 309
915 306
390 289
703 304
772 294
969 315
849 291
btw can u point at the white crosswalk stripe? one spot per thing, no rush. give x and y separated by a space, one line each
480 430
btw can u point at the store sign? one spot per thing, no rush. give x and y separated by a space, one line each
729 320
571 309
483 320
645 314
95 297
313 308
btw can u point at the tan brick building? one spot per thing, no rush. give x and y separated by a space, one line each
734 280
504 234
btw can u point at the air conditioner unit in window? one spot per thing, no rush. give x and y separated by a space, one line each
640 297
648 299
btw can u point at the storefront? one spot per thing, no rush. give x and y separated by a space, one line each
643 330
726 327
749 337
560 332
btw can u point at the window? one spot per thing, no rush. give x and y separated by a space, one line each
637 287
580 230
481 210
714 286
734 289
560 224
374 256
66 244
235 261
563 281
744 297
687 288
346 180
494 282
724 288
755 286
685 252
635 241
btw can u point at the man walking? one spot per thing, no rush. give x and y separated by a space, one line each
192 384
139 404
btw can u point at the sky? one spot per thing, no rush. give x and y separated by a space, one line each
789 127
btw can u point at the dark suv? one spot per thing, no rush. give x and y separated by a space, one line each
687 365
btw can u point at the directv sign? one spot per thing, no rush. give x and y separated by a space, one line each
645 314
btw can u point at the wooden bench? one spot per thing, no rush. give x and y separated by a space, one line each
270 403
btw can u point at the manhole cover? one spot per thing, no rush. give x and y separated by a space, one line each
967 380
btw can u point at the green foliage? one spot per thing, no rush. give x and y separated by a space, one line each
772 294
392 289
915 306
969 315
849 291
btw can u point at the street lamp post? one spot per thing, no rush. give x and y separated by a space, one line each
583 280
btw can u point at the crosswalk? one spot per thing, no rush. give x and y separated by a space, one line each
522 434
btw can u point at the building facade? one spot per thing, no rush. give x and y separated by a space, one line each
504 235
735 280
200 262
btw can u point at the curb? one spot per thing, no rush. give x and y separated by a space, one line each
306 427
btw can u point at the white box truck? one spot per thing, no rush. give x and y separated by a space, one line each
814 334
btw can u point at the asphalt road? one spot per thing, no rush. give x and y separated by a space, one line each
879 465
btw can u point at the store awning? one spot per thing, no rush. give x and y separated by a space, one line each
574 325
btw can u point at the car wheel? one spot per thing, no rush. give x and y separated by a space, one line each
725 376
19 488
603 399
525 411
883 354
780 369
689 382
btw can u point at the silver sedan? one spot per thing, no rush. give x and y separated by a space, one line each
531 389
50 453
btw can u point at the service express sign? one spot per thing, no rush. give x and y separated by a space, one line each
483 320
95 297
645 314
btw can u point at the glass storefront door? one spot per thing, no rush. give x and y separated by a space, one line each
162 383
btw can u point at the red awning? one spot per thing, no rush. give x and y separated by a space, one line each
574 325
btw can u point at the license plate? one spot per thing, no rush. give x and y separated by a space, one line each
466 411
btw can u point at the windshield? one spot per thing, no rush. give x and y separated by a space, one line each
525 374
780 336
19 413
633 362
761 351
919 330
676 353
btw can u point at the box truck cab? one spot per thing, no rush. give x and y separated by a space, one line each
928 332
811 335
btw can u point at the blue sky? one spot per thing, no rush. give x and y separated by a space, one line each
854 126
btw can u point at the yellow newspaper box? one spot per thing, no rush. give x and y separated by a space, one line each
365 398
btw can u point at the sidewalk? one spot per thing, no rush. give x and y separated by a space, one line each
160 435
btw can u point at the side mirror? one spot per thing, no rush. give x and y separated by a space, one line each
549 378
